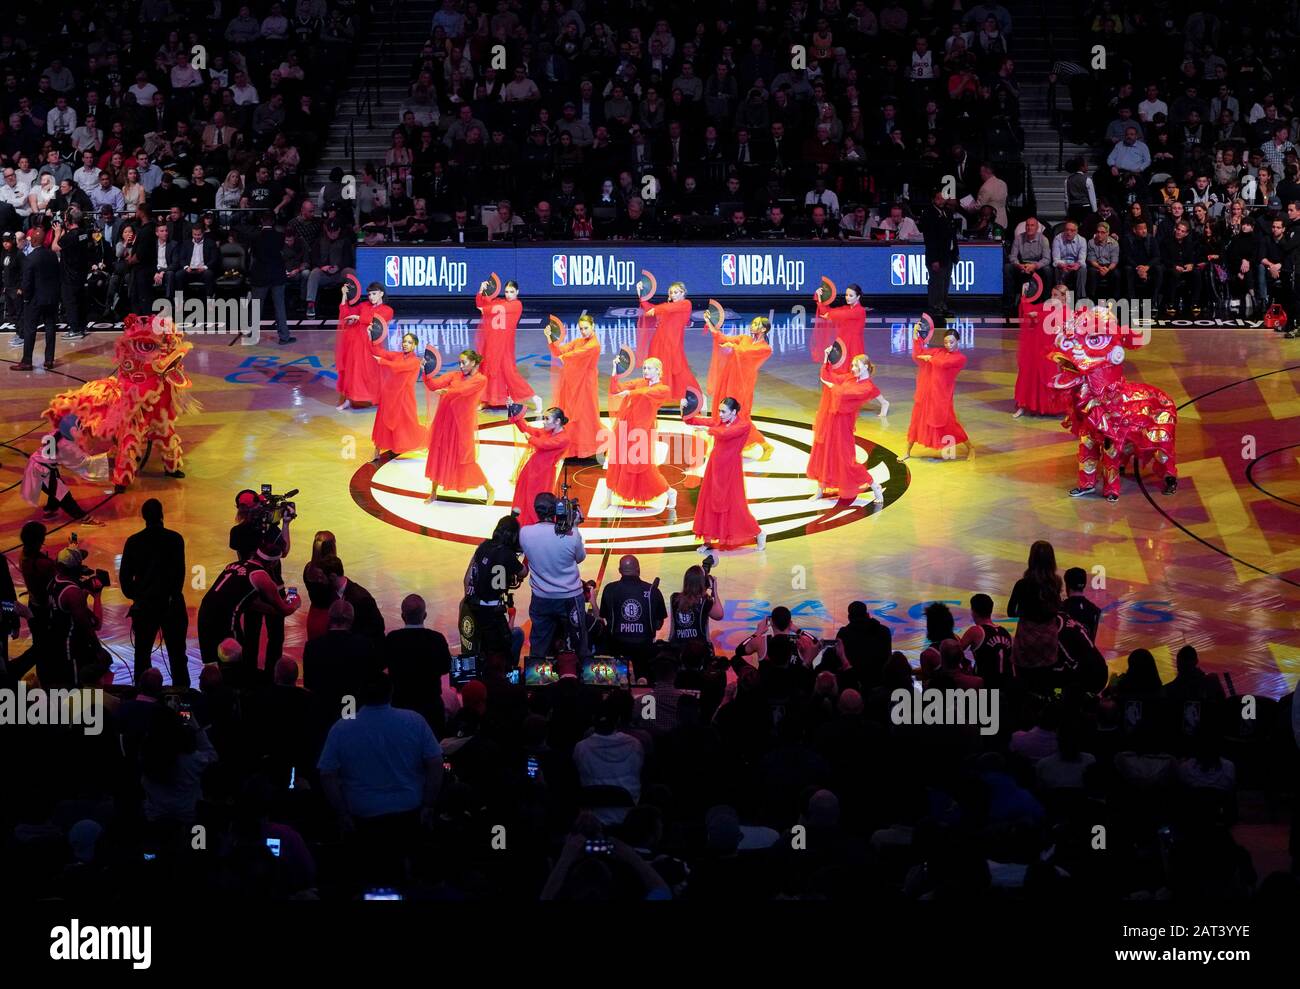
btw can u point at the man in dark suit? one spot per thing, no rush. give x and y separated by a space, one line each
418 658
460 229
367 619
940 232
74 246
141 262
152 575
339 663
41 291
267 275
198 259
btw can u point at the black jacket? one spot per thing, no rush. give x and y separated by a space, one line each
940 232
267 264
152 571
41 278
633 610
1136 250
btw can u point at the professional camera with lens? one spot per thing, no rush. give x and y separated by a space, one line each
568 515
272 510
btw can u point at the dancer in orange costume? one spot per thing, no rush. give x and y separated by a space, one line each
630 471
397 422
738 377
547 444
495 340
847 322
934 419
722 515
358 374
1040 323
453 447
576 391
668 344
834 445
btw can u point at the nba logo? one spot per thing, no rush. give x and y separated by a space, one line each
898 269
559 269
728 269
391 270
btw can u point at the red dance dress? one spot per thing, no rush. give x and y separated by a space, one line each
539 470
453 434
495 340
1034 392
840 469
934 420
738 378
719 358
845 322
722 514
359 379
668 344
630 471
576 393
397 421
817 457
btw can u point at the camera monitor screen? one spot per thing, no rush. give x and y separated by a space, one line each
606 671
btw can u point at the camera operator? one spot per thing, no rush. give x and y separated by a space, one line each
243 589
493 572
72 243
633 611
76 614
152 575
558 598
254 514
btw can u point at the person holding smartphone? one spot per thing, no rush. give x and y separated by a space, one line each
690 610
778 639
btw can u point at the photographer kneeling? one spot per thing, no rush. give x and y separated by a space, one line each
74 621
553 548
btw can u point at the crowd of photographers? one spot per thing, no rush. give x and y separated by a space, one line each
375 763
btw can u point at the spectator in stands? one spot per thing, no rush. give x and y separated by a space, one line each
504 225
1103 278
1130 156
336 260
1141 258
1070 259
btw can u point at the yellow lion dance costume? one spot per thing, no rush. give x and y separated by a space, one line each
137 407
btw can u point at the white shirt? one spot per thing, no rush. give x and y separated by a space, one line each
244 95
26 179
15 196
196 255
162 255
923 65
826 198
1148 109
143 94
87 179
61 121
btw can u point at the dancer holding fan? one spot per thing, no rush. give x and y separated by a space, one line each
834 461
576 390
1040 322
547 444
934 419
453 447
631 473
358 374
495 340
722 516
667 342
846 322
738 377
397 422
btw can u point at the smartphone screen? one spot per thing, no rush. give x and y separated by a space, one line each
532 767
274 845
382 893
293 777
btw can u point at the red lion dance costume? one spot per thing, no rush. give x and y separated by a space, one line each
139 405
1114 418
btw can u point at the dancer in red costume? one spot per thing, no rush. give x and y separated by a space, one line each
847 322
397 422
495 340
576 391
833 463
1040 322
934 420
738 377
722 515
453 448
548 443
630 471
668 343
358 374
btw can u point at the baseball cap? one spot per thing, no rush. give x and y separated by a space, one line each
7 235
71 557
